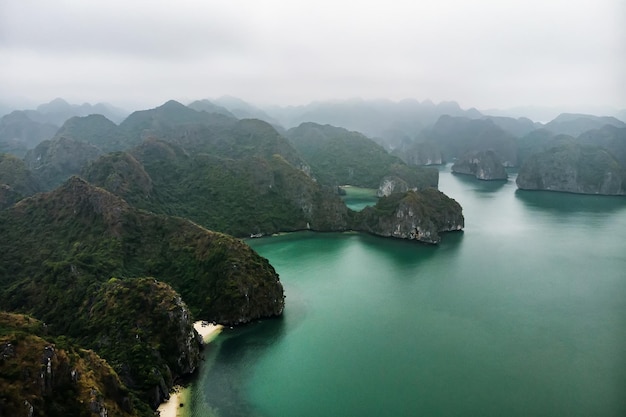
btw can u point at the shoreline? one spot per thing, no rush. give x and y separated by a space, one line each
180 395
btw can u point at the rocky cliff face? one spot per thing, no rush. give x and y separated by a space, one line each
143 318
63 247
414 215
573 168
484 165
39 377
392 184
422 153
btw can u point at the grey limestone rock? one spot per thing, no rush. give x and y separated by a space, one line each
484 165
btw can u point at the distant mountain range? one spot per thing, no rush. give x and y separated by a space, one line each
113 229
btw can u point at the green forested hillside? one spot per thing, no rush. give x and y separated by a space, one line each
574 168
340 157
256 192
46 376
16 181
96 130
60 251
54 161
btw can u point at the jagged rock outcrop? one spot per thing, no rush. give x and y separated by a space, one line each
573 168
40 377
484 165
402 178
392 184
149 319
414 215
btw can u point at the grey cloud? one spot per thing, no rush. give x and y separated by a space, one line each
483 53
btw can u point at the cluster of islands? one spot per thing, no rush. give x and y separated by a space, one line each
119 231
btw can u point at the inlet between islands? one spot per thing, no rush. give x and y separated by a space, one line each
172 408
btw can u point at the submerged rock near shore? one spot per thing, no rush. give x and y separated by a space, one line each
484 165
415 215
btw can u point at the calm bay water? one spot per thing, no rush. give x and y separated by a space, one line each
523 314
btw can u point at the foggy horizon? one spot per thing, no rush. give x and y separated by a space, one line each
485 55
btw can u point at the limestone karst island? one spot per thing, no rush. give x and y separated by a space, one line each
120 230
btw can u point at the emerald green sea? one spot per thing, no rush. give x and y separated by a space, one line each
522 314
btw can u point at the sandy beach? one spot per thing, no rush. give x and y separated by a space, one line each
172 407
208 331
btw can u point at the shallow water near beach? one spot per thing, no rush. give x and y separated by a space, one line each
523 313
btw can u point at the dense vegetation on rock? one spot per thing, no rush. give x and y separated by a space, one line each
81 232
240 197
573 168
576 124
54 161
458 135
168 120
415 215
484 165
96 130
18 133
16 181
60 250
420 153
46 376
389 123
340 157
611 138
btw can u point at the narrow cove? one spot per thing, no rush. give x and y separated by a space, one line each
521 314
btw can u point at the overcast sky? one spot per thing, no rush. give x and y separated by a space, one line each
480 53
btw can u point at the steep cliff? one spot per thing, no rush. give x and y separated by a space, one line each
82 231
573 168
414 215
145 330
484 165
402 178
59 250
45 377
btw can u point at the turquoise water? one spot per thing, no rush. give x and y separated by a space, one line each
523 314
358 198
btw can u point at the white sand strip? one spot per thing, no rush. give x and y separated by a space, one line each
208 331
172 408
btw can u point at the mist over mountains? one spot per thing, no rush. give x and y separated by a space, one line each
100 207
